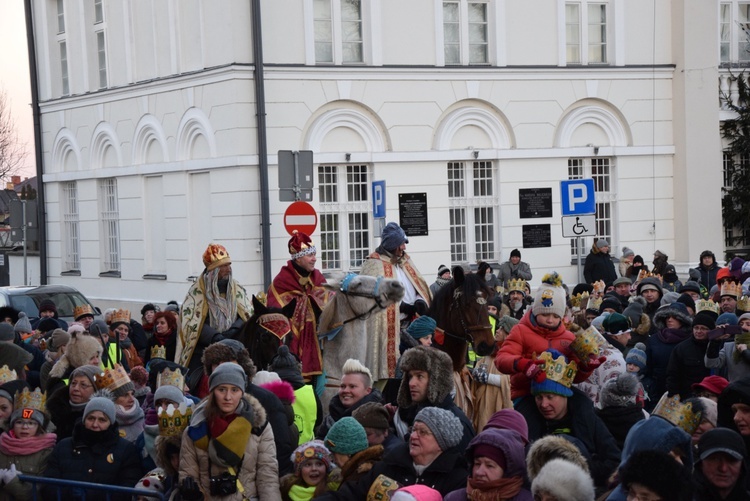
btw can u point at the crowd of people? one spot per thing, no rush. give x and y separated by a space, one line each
633 385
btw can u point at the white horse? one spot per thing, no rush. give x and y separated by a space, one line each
357 297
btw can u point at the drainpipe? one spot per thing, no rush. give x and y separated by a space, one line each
41 209
260 106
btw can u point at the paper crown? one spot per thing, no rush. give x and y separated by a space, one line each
82 310
558 370
170 378
594 303
587 342
679 414
708 305
30 400
517 284
173 420
731 289
159 351
301 245
599 286
120 316
7 375
580 300
111 379
641 275
216 255
743 304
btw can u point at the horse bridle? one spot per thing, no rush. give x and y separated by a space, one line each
375 295
468 329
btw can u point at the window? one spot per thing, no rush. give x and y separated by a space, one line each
471 213
344 216
465 32
338 31
72 245
600 170
734 238
585 32
110 225
64 68
101 50
98 12
60 17
734 31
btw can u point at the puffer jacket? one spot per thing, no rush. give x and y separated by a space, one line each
29 464
259 472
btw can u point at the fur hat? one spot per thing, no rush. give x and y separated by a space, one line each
619 391
80 350
346 436
443 424
314 449
372 415
674 310
102 404
227 373
215 256
550 297
658 472
300 245
637 356
23 326
164 447
435 363
227 350
393 237
565 481
551 447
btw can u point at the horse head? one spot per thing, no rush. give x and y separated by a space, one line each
266 330
364 293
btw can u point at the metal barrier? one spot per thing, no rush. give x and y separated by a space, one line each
80 488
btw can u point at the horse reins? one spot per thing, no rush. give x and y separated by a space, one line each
375 295
467 337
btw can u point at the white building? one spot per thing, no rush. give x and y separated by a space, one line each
150 142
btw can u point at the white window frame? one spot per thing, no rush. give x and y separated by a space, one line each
464 29
101 58
64 77
734 31
602 171
472 210
338 33
110 225
60 17
72 234
584 23
344 214
98 12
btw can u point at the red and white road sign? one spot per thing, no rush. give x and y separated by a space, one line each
300 216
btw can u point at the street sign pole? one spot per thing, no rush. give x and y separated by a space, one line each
25 264
580 258
296 187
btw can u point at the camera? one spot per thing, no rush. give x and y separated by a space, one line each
223 485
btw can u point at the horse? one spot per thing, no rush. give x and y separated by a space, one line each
265 331
460 310
342 325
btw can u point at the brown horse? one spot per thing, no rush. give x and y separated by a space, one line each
460 311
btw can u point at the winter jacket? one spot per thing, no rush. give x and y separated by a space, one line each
404 419
171 346
508 271
599 266
62 415
360 464
109 460
336 411
29 464
705 491
721 356
658 353
277 418
708 274
258 473
619 420
686 366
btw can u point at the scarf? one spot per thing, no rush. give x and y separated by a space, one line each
77 407
224 438
126 343
442 281
743 338
163 339
301 492
222 310
10 445
498 490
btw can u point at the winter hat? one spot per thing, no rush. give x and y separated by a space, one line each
657 471
496 301
622 280
372 415
87 371
154 481
483 267
421 327
658 254
29 404
619 391
637 356
690 286
102 404
669 297
601 243
47 324
416 492
434 362
560 373
496 454
707 408
515 253
510 419
723 440
9 389
393 237
713 384
23 326
687 300
81 349
611 303
442 269
227 373
171 393
705 318
314 449
58 338
263 377
6 332
139 376
735 267
744 316
215 256
346 436
627 251
550 297
506 323
286 365
649 283
47 305
148 307
616 324
550 447
674 310
581 288
727 319
443 424
300 245
563 480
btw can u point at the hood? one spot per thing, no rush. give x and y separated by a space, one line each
738 392
661 315
509 442
162 447
550 447
657 434
437 364
650 281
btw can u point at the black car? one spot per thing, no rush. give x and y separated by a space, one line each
27 299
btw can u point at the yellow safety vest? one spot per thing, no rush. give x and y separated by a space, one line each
305 413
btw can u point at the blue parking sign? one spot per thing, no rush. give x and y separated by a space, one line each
578 197
378 199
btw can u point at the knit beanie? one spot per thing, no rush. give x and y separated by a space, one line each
550 297
610 303
705 318
687 300
649 283
727 319
47 324
6 332
619 391
171 393
416 492
655 470
637 356
58 338
227 373
515 253
102 404
506 323
346 436
669 297
372 415
627 251
154 481
263 377
442 269
494 453
286 365
446 427
36 415
601 243
87 371
421 327
314 449
393 237
23 326
47 305
744 316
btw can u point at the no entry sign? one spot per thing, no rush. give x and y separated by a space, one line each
300 216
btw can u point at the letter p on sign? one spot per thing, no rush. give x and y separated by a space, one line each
578 197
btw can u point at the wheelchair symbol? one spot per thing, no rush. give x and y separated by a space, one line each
579 228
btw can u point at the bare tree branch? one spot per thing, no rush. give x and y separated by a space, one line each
13 152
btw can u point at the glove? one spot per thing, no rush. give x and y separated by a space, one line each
594 362
533 369
8 474
480 374
190 491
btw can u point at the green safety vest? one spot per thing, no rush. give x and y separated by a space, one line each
305 413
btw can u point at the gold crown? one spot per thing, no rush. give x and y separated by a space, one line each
743 304
82 310
30 400
587 342
159 351
517 284
656 276
7 375
599 286
679 414
594 303
262 298
170 378
708 305
111 379
216 255
173 420
580 300
120 316
731 289
558 370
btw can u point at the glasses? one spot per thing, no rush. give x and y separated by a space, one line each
26 424
700 328
421 432
82 386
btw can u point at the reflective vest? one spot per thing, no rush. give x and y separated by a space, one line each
112 357
305 413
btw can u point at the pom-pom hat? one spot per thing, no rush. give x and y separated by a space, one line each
314 449
215 255
550 297
637 356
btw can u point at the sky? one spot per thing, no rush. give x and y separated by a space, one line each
14 75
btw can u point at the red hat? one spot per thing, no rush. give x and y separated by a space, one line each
216 255
301 245
714 384
723 274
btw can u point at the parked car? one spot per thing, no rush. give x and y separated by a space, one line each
27 299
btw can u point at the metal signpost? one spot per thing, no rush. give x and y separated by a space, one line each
578 199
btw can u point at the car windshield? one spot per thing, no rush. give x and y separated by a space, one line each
65 301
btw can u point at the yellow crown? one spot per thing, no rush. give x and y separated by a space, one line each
216 255
173 420
580 300
599 286
262 298
517 284
587 342
708 305
7 375
120 316
30 400
656 276
594 303
731 289
111 379
558 370
743 304
679 414
82 310
159 351
170 378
